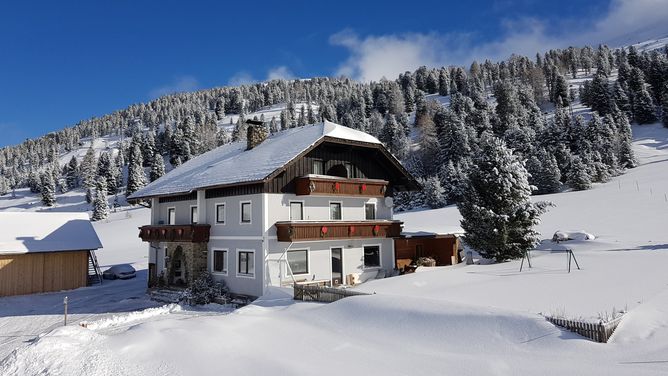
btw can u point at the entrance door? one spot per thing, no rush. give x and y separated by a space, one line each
337 266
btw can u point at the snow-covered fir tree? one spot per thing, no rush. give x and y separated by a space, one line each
544 172
433 195
136 175
100 205
157 167
89 168
578 177
72 173
497 212
48 189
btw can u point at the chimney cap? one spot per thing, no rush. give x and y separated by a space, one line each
254 122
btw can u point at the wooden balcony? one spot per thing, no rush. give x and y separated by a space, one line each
336 186
175 233
294 231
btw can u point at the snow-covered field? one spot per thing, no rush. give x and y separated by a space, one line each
465 319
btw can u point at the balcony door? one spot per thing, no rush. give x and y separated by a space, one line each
337 266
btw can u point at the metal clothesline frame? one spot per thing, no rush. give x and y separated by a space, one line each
569 255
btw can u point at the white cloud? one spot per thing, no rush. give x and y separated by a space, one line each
180 84
241 78
373 57
280 73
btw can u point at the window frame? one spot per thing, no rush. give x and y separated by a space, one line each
375 213
194 221
349 169
238 263
241 212
216 219
308 261
340 203
290 209
226 259
380 257
169 218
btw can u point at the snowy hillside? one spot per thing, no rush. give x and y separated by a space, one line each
475 319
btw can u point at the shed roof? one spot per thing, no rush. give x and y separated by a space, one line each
28 232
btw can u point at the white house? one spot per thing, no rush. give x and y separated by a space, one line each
309 204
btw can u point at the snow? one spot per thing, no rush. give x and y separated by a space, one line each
562 236
466 319
232 163
24 232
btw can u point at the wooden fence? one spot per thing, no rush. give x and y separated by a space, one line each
312 293
599 332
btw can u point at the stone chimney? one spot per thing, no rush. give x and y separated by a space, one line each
255 134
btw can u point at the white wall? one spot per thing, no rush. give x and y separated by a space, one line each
320 258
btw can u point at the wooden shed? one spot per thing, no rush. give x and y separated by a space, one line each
441 247
42 252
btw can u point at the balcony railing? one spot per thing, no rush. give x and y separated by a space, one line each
336 186
175 233
323 230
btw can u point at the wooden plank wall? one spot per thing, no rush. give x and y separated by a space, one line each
42 272
441 249
366 164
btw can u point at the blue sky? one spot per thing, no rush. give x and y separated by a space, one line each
61 62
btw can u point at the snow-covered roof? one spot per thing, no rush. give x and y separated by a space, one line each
233 164
28 232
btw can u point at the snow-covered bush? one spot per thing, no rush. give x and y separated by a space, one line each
204 290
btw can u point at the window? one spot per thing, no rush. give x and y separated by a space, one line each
370 211
298 261
220 261
349 169
171 216
319 167
245 212
193 215
372 256
335 210
246 263
220 214
296 211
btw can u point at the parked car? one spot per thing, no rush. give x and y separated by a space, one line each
123 271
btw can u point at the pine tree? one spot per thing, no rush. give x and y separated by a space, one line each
100 206
642 104
48 189
394 137
626 156
72 173
4 185
136 176
664 104
454 182
89 168
498 214
157 167
432 193
89 195
544 172
104 169
578 177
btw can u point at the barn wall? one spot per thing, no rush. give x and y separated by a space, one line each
42 272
